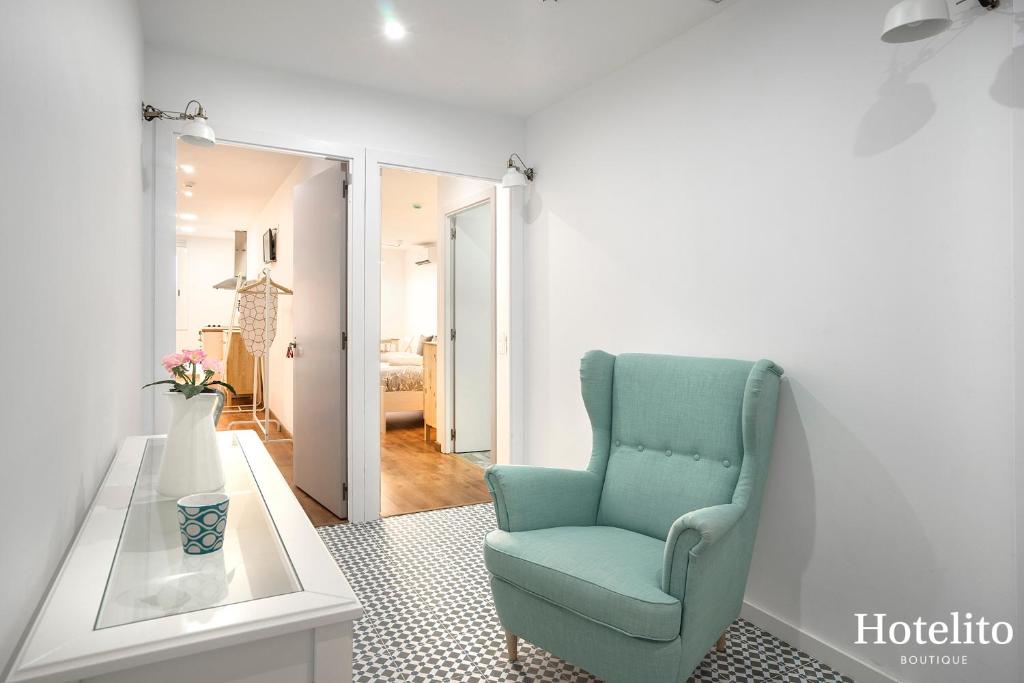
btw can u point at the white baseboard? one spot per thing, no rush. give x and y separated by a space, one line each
825 652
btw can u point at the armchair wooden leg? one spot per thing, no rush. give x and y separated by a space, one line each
512 644
720 645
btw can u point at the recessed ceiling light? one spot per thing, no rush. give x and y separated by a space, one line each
394 29
187 168
187 193
186 228
187 216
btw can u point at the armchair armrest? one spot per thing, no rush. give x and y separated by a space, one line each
694 534
542 497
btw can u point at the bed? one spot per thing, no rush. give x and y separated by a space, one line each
401 384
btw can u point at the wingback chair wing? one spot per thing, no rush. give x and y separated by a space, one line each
634 567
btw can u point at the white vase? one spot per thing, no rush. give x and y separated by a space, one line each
191 462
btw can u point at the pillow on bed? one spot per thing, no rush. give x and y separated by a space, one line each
401 358
418 344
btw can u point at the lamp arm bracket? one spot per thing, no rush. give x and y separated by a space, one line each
515 161
149 112
987 4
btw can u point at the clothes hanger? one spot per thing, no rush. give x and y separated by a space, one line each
263 280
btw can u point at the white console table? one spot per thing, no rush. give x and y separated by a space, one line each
128 606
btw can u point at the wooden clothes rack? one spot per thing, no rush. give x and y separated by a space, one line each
261 368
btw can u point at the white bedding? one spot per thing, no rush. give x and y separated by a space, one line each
401 358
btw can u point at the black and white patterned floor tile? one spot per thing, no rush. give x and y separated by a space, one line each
430 618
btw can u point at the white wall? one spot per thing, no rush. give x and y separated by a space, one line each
779 183
392 294
1009 89
210 260
253 98
420 296
75 276
279 213
408 293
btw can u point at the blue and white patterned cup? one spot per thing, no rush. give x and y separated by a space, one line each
202 518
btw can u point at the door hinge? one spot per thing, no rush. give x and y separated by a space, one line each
453 334
344 491
453 434
344 341
344 189
453 232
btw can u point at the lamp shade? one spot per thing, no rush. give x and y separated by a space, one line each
513 178
198 132
912 20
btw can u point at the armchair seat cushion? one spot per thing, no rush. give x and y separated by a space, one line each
608 575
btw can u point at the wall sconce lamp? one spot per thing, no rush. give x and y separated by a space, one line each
912 20
196 130
518 173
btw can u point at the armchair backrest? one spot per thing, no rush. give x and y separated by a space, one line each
673 434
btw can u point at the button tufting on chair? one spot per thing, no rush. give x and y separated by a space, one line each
668 453
696 456
640 447
726 463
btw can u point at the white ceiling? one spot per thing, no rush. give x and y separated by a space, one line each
515 56
231 185
400 220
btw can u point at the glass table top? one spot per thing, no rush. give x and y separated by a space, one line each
151 577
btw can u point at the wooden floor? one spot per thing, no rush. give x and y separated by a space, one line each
282 455
415 476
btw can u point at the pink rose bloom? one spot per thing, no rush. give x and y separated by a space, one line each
213 364
194 356
172 360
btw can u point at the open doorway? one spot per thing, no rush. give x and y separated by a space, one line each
437 388
261 285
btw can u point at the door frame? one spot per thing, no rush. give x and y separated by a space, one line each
445 345
158 224
510 199
159 160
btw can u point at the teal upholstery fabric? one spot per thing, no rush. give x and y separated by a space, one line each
541 497
611 576
604 652
633 567
676 443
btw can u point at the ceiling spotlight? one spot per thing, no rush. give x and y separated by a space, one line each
394 29
187 168
518 174
187 216
196 130
186 228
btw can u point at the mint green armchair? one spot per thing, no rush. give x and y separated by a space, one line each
636 566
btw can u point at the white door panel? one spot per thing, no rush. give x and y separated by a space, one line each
473 311
319 311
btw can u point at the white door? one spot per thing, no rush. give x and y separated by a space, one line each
472 321
320 462
181 285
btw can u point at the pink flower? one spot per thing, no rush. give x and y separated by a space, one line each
194 356
172 361
213 364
